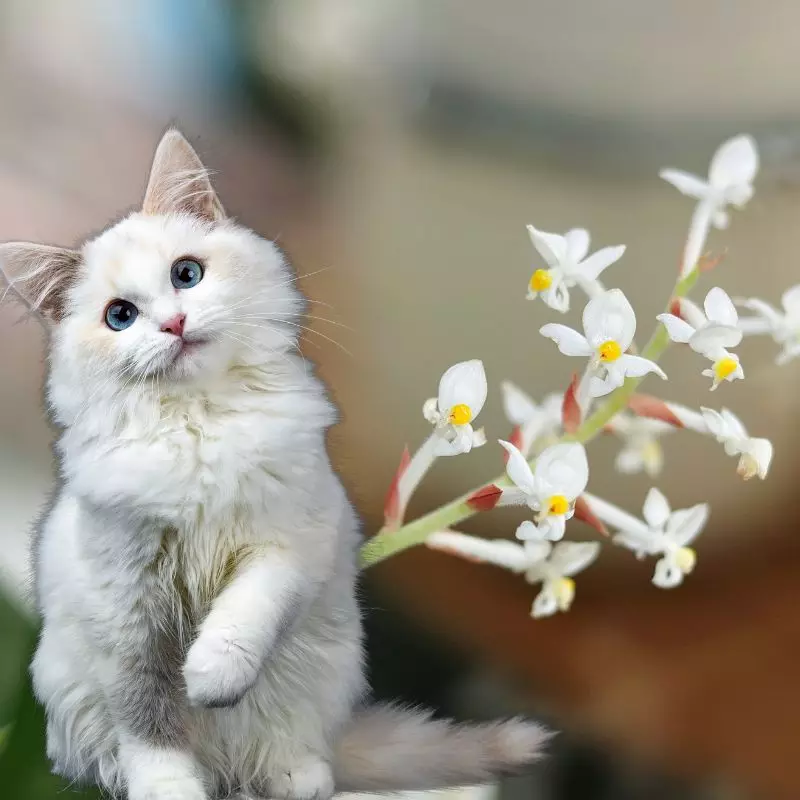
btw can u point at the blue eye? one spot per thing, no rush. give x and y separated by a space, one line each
186 272
120 314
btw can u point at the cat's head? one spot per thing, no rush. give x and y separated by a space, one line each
173 293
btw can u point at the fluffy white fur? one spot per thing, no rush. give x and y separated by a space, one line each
196 571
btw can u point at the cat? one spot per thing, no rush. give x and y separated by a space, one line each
196 571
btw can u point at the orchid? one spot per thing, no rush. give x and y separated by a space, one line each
550 489
568 266
730 182
535 421
462 393
663 532
729 430
609 325
540 562
641 450
547 466
784 327
710 334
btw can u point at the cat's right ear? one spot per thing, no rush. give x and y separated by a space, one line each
39 275
179 182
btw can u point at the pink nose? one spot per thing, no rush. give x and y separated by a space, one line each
174 325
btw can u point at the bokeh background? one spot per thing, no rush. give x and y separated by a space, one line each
397 148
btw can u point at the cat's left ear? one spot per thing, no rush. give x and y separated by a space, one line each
179 182
39 275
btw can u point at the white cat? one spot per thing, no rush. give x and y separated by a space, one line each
196 571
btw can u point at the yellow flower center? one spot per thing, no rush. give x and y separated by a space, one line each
725 367
541 280
460 414
557 504
564 591
685 558
609 351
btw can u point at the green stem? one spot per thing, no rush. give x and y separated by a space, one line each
389 542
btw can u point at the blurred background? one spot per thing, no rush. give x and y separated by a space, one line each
396 149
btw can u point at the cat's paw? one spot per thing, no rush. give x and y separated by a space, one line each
309 779
184 788
164 775
157 773
218 671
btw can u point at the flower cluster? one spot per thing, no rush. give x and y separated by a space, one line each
547 466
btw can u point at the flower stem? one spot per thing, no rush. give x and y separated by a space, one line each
389 542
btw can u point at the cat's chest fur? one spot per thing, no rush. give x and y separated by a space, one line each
206 460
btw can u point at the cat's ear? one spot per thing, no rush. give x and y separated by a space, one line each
39 275
179 182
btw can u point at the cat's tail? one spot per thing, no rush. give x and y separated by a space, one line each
387 748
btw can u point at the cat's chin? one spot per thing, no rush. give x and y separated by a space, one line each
194 359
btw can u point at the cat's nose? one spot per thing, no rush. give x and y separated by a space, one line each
174 325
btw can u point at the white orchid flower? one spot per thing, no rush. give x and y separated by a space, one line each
462 393
728 430
784 327
710 334
641 449
730 183
568 266
540 562
535 421
558 478
663 532
609 325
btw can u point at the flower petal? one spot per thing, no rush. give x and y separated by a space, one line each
720 308
563 469
766 311
553 527
790 300
568 341
677 329
600 387
656 509
570 558
636 366
430 410
519 407
667 574
528 532
734 163
551 246
536 551
733 424
698 233
577 241
685 182
713 337
518 469
756 458
691 312
609 317
459 442
465 383
499 552
629 460
593 266
545 604
557 296
685 525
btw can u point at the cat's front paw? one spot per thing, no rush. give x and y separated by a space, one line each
218 671
309 779
168 789
160 774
